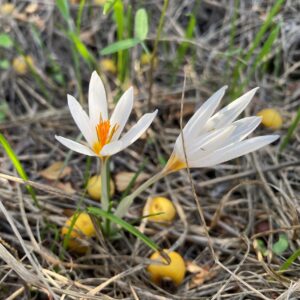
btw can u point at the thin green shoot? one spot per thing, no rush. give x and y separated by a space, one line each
18 166
79 14
290 132
184 46
103 214
243 61
108 6
265 51
120 22
133 179
233 30
285 266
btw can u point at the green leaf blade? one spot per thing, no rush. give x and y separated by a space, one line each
141 24
103 214
17 164
118 46
63 7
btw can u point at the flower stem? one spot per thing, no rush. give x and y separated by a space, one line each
127 201
104 185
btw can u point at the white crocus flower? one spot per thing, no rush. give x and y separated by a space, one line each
101 132
210 139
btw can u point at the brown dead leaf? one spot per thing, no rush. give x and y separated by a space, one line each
123 179
66 187
201 274
188 109
56 171
31 8
88 37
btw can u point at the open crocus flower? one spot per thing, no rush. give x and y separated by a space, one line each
210 139
101 133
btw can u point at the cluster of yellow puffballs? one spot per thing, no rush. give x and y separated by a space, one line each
159 209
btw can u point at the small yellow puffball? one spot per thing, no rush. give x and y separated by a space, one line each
175 271
83 227
21 64
271 118
94 187
108 65
7 9
146 59
164 206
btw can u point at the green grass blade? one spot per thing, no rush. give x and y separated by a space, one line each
121 45
133 179
290 260
79 15
188 35
267 47
70 229
82 49
63 6
259 36
17 164
103 214
141 24
242 62
290 132
120 22
265 50
109 4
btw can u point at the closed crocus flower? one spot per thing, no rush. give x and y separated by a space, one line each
211 138
103 134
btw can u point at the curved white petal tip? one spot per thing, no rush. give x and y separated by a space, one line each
74 146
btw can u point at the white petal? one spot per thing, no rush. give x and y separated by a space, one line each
233 151
77 147
194 146
97 100
82 120
230 112
243 128
131 136
210 145
121 113
200 117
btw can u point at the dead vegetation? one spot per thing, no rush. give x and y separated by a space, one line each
248 203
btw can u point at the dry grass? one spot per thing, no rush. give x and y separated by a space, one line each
237 199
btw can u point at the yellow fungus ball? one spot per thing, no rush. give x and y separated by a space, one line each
108 65
94 187
271 118
175 271
83 227
146 59
7 9
164 206
21 64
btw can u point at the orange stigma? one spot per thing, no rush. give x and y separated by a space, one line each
104 134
